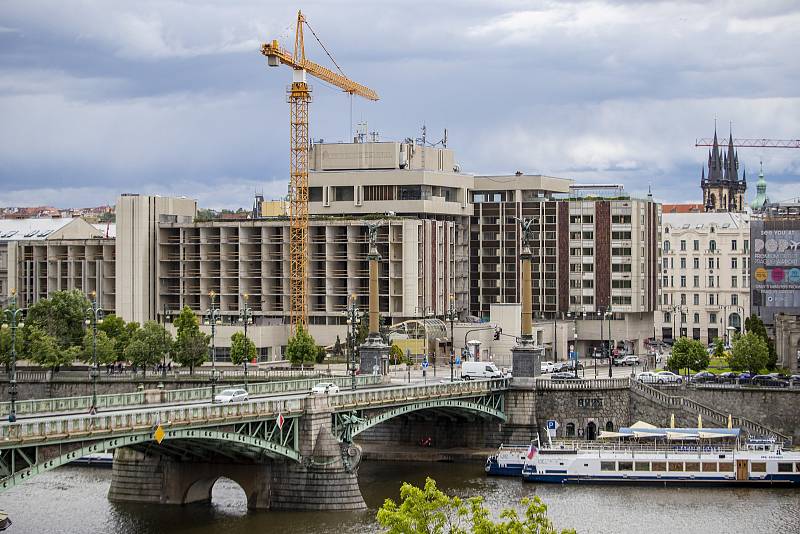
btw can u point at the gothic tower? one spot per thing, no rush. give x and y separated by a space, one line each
722 188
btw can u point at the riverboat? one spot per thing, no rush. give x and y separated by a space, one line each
645 454
508 460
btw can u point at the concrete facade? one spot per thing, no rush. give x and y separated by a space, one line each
787 341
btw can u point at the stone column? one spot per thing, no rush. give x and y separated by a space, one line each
374 352
526 356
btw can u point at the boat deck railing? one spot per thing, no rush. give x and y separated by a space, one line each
637 447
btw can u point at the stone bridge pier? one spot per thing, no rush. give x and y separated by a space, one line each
185 471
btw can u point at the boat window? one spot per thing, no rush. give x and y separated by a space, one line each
626 466
659 466
760 467
607 466
797 467
692 466
643 466
709 466
676 466
726 466
784 467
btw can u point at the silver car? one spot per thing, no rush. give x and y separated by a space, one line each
231 395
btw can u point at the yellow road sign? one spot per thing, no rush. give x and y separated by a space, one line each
159 434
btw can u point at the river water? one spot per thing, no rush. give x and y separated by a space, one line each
73 500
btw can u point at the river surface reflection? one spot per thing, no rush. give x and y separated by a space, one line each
73 500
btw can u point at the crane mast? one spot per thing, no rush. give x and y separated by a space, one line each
299 98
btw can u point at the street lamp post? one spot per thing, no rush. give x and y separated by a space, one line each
451 316
245 317
575 340
164 353
95 315
352 322
609 314
213 314
12 315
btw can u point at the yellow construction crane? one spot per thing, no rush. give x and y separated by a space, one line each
299 95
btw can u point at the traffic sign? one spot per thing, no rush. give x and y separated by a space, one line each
425 364
159 434
552 424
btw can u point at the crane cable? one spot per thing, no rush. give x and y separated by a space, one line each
323 47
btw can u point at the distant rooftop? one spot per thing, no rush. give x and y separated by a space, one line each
686 220
682 208
39 229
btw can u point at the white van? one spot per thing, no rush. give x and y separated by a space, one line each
473 370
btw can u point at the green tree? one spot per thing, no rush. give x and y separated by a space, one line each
428 510
337 347
688 354
186 323
242 348
61 316
719 348
396 354
750 353
301 348
191 349
321 354
140 354
106 349
44 350
755 325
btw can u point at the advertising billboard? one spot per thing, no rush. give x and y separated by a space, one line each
775 266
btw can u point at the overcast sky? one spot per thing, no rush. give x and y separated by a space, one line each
173 97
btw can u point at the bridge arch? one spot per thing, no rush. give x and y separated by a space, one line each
351 425
239 442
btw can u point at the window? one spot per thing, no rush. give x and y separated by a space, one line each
695 281
696 263
676 466
734 263
666 246
659 466
683 299
692 466
735 299
696 299
665 262
683 263
609 426
758 467
621 284
784 467
683 281
710 281
733 244
607 466
667 317
711 299
626 466
734 281
665 281
642 466
712 317
626 267
725 466
709 467
712 245
683 245
696 318
695 245
570 432
746 245
683 318
710 263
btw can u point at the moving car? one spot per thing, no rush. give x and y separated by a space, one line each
729 376
547 367
626 360
473 370
325 388
231 395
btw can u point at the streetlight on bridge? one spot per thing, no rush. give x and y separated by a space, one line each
213 314
12 315
246 317
95 315
353 320
452 315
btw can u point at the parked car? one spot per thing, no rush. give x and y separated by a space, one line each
668 377
473 370
648 377
547 367
597 354
745 376
325 388
626 360
729 376
769 381
231 395
794 380
703 377
564 375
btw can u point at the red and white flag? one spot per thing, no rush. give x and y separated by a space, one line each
532 451
280 421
